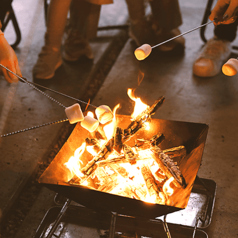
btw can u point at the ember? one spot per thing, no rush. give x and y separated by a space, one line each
140 170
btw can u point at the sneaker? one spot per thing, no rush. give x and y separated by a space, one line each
75 47
141 33
49 60
213 55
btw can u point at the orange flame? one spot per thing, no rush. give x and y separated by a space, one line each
73 163
139 105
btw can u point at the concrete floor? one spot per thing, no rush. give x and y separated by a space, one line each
213 101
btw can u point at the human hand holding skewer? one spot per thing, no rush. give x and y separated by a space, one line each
9 59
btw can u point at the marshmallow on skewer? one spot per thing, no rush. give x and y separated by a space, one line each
90 123
143 51
74 113
104 114
230 68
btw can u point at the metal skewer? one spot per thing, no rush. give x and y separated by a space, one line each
182 34
24 80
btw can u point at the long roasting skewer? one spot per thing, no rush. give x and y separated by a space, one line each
144 51
33 85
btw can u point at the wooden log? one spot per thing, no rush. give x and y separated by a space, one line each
91 166
137 123
157 139
169 168
150 181
129 154
179 151
118 139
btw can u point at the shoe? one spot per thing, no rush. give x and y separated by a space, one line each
176 45
141 33
75 47
49 60
213 55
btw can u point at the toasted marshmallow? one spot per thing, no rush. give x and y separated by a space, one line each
74 113
104 114
90 123
143 52
230 68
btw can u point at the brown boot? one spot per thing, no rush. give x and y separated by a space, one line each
213 55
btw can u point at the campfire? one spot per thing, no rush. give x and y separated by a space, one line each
136 158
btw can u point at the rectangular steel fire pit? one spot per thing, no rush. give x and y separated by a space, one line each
190 135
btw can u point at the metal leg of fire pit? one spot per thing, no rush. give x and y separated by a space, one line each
113 225
166 228
59 217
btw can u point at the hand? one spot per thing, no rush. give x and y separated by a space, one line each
224 12
9 59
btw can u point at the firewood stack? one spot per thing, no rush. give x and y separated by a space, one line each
109 162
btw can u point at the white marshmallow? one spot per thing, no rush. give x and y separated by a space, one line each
104 114
90 123
143 52
230 68
74 113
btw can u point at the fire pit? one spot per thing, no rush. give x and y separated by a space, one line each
145 167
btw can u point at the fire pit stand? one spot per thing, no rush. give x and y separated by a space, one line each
196 216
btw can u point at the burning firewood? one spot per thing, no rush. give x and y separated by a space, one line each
129 154
91 165
137 123
179 151
169 168
118 139
150 182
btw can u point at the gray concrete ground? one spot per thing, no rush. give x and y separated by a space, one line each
213 101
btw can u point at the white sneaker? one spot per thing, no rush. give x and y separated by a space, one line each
213 55
49 60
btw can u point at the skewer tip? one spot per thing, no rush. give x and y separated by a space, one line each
143 51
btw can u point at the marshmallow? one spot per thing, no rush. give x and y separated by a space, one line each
143 52
90 123
74 113
104 114
230 68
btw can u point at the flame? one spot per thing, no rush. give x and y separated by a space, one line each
122 178
109 129
166 187
139 105
74 161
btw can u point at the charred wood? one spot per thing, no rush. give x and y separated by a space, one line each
150 181
169 168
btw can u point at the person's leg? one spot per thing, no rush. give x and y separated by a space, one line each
166 18
50 57
84 18
140 30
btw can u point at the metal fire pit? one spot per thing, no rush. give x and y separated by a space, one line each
191 135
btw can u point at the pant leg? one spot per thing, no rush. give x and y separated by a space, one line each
136 10
166 13
226 32
56 21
